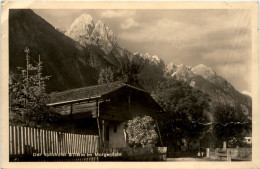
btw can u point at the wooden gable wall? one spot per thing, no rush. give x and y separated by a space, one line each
125 106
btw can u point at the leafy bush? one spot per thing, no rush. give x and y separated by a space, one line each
141 131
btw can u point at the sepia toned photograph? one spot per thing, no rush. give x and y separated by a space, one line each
130 85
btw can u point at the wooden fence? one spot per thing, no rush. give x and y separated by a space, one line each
31 144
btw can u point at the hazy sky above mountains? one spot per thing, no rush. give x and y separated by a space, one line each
220 39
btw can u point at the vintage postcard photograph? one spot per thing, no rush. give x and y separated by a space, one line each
130 84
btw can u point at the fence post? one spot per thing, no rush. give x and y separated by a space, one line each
15 142
228 155
22 140
224 145
207 152
11 140
18 140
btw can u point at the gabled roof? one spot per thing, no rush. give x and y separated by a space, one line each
86 93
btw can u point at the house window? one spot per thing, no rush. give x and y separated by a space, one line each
115 129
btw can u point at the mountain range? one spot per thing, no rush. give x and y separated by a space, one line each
206 79
74 57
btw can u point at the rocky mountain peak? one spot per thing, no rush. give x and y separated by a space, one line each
81 29
210 75
100 29
100 24
170 66
86 32
85 18
104 34
205 78
204 71
201 70
182 72
155 59
152 57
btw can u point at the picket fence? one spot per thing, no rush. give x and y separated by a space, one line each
33 143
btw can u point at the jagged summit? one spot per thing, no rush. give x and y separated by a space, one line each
182 72
101 30
104 34
84 19
81 29
152 58
204 71
170 66
86 32
98 36
201 70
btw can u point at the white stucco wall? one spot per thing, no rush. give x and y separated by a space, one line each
117 139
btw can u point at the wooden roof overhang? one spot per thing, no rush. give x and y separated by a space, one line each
87 99
83 94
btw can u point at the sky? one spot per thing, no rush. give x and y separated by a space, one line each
219 38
